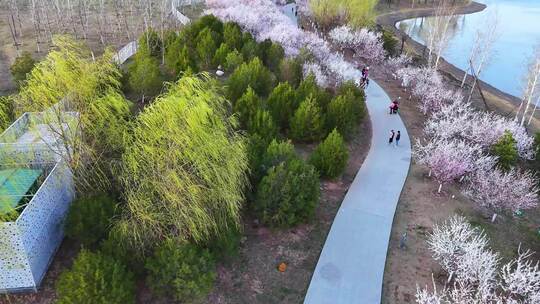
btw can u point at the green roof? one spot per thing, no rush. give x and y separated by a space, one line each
14 184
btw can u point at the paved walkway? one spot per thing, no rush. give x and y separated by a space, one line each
351 266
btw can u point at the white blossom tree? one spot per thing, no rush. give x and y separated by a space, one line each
367 44
473 269
393 64
317 71
463 252
265 20
520 279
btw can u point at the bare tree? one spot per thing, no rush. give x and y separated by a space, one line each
534 109
481 50
100 18
61 27
164 10
106 21
532 86
438 31
83 17
34 12
44 8
15 34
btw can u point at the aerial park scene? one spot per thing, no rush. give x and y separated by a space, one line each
270 151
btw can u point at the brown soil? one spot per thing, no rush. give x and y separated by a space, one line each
385 6
8 51
420 206
254 277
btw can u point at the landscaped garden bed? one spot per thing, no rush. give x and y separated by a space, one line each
221 184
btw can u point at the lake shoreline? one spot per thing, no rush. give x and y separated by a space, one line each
389 20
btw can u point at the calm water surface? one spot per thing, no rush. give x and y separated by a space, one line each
518 33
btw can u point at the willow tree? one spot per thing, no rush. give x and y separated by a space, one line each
355 12
71 80
185 167
6 112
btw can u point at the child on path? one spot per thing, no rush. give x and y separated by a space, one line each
391 139
398 137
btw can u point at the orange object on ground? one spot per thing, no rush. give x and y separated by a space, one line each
282 267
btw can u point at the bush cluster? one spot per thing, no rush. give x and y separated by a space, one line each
95 278
288 194
330 157
250 74
506 151
181 270
390 43
272 100
307 124
21 67
89 219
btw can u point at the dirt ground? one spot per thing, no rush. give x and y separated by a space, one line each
8 51
420 207
384 6
253 277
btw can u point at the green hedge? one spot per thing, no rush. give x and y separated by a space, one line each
181 270
95 278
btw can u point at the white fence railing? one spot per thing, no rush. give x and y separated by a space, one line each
125 52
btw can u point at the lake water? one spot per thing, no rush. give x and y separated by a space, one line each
518 33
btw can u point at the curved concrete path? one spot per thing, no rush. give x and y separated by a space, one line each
351 266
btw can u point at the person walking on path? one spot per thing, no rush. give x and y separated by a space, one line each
398 137
403 241
391 139
365 72
364 81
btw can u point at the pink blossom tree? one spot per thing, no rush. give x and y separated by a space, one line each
447 160
513 190
459 120
449 121
427 86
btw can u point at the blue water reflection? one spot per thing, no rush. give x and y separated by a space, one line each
518 33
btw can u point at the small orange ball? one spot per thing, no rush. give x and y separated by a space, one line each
282 267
